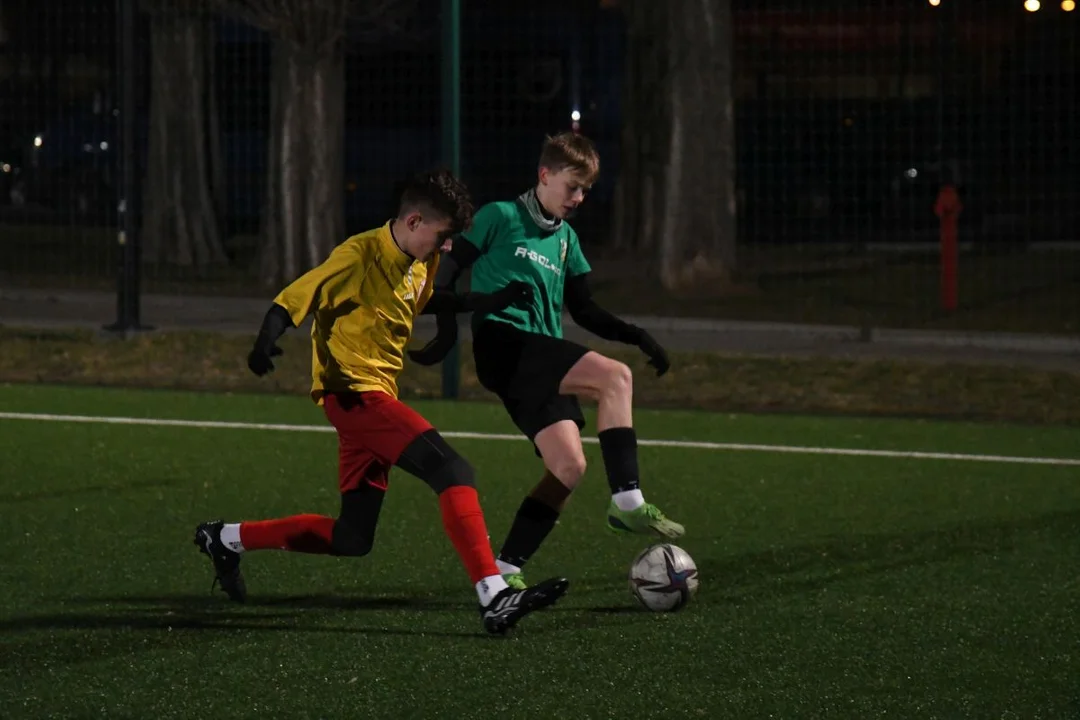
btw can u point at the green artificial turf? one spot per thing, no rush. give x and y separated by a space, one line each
831 586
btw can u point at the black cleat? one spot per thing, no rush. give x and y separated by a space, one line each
226 562
511 605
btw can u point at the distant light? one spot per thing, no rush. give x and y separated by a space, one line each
1032 5
87 147
1068 5
104 145
912 173
7 168
575 116
37 141
935 3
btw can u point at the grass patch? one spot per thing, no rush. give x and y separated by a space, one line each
703 381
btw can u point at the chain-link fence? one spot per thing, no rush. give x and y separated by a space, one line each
854 123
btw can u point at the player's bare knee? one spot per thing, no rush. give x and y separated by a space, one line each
349 541
569 470
620 380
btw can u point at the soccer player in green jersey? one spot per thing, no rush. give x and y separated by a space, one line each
522 357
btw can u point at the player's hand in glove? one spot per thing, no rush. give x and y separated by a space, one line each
259 359
658 357
515 293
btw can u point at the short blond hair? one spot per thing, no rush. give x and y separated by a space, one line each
571 151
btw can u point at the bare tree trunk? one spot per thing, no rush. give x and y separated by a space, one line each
303 215
675 198
184 175
214 139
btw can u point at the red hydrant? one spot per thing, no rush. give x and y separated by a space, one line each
948 208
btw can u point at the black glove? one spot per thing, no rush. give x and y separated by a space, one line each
273 327
515 293
259 359
658 357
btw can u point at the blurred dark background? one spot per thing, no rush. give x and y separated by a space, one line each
848 119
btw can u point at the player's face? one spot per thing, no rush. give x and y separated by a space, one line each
430 235
562 191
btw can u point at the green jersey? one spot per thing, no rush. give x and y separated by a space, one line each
512 247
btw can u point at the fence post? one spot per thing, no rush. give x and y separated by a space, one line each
451 146
127 290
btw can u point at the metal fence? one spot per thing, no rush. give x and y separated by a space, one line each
854 123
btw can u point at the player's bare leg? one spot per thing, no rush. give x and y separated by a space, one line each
610 383
560 447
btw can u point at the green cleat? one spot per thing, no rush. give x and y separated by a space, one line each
645 520
516 581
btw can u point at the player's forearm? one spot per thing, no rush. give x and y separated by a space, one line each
461 257
439 346
276 321
445 298
443 301
590 316
446 301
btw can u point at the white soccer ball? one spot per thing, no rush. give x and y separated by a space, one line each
663 578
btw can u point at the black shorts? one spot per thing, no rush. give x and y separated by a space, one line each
524 369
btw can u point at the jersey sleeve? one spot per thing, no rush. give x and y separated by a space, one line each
576 264
328 285
485 227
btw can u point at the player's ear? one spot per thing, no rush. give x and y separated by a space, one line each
413 220
543 174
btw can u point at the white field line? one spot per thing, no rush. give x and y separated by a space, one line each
687 444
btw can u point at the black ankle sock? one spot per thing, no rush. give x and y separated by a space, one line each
533 522
619 447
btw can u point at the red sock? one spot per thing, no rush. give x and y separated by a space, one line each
299 533
464 523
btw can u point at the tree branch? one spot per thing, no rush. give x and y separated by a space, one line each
319 25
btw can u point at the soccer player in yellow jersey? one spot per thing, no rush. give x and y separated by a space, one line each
363 300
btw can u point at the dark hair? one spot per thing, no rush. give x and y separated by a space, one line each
440 193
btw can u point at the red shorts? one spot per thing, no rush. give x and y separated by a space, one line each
373 430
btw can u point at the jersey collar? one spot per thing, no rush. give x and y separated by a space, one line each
397 257
536 212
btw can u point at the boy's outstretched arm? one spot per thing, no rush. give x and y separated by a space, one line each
585 311
445 302
300 298
446 299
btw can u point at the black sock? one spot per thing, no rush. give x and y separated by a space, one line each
619 447
533 522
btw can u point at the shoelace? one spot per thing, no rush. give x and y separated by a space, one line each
653 512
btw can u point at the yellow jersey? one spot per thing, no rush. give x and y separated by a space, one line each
364 298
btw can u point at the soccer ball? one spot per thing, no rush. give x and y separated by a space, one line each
663 578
